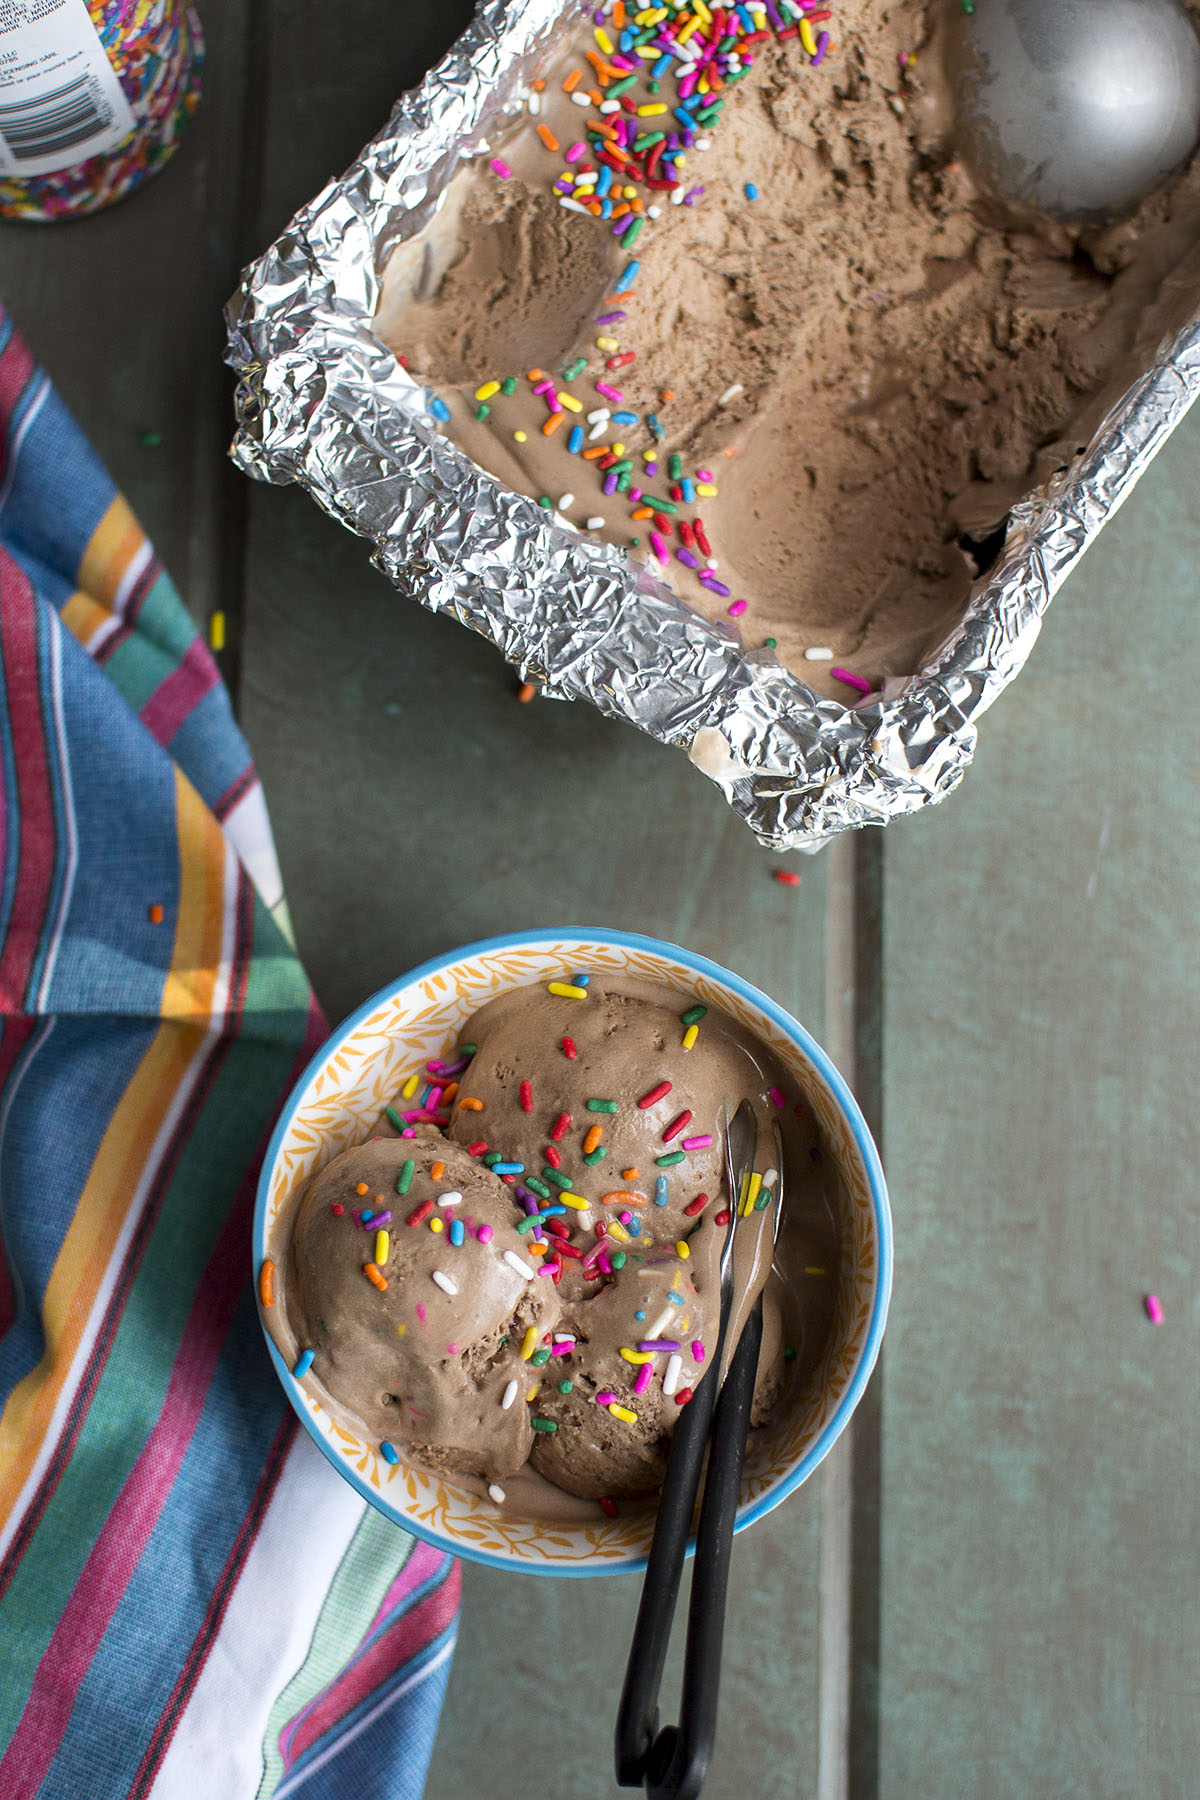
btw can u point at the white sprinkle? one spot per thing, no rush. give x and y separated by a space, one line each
519 1264
573 205
731 393
598 431
818 655
452 1198
703 144
601 413
496 1492
711 563
677 197
581 99
584 1221
444 1282
510 1393
663 1320
672 1372
770 1177
596 524
565 502
564 1337
654 212
610 106
535 104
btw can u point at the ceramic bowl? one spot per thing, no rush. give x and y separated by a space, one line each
356 1073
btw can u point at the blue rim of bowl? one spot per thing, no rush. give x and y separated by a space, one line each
792 1028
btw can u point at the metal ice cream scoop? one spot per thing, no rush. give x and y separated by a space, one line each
1074 108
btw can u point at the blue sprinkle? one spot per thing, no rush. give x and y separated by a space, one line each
438 408
503 1168
634 1228
366 1215
657 431
550 1212
426 1094
606 209
744 15
751 191
660 1191
640 1314
685 119
687 488
662 66
627 277
603 182
672 1295
624 418
458 1232
304 1363
585 980
575 441
388 1453
625 42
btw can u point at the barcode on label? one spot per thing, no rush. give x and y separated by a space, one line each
54 121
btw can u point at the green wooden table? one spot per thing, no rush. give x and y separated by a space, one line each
991 1589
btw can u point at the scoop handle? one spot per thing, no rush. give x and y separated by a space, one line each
679 1758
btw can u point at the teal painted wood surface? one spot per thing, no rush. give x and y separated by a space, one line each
996 1583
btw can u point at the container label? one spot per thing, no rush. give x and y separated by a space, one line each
60 100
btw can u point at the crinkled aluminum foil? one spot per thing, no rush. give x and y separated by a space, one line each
323 403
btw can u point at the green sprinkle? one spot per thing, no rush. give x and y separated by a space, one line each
608 1106
652 87
624 480
667 506
539 1357
770 643
537 1187
557 1177
763 1199
546 501
617 1259
789 1354
596 1155
633 231
493 1156
675 465
574 369
150 440
404 1179
509 385
566 1387
483 412
466 1050
647 141
543 1424
669 1161
527 1224
635 542
617 88
693 1015
618 468
393 1118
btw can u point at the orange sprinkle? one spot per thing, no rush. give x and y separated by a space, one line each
526 693
535 374
618 15
437 1170
631 1174
595 208
536 1249
618 212
592 1139
595 96
622 1198
666 395
603 73
547 136
600 450
266 1283
538 85
604 128
362 1188
449 1093
573 80
371 1271
470 1105
635 204
156 914
552 424
643 512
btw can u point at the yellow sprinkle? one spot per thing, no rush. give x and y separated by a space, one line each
741 1202
681 37
565 990
637 1356
382 1246
648 111
618 1231
411 1085
487 390
682 1251
706 489
607 343
812 1269
576 1201
807 38
532 1393
436 1224
623 1412
529 1342
648 53
216 631
401 1329
649 455
690 1036
520 436
698 6
571 403
605 42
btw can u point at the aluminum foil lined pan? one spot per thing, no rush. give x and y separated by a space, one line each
323 403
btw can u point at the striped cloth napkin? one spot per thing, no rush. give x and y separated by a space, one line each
192 1604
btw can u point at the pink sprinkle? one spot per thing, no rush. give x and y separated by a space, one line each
698 1143
605 1399
544 387
704 475
408 1132
777 1098
548 1265
575 152
605 1263
420 1312
563 1349
625 1217
855 681
451 1349
435 1099
485 1234
610 393
645 1376
698 1351
435 1067
658 544
500 168
737 608
1154 1311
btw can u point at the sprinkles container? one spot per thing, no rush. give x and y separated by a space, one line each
94 98
322 402
365 1062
